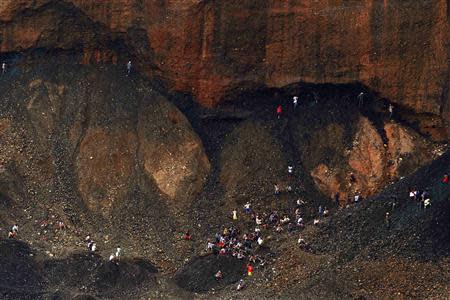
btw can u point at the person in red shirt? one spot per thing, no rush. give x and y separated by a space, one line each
279 111
250 270
445 179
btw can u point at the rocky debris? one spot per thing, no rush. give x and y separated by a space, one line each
251 161
198 274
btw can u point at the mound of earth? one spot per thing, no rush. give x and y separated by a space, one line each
198 274
26 273
19 272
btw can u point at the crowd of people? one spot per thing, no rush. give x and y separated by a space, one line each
244 245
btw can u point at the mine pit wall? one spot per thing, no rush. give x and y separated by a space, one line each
397 48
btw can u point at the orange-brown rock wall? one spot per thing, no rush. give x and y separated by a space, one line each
396 47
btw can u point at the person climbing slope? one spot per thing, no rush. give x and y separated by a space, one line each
295 102
279 111
129 67
361 99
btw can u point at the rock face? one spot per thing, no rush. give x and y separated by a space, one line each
397 48
370 163
91 138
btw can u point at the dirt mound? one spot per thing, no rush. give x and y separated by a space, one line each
90 273
198 274
114 277
26 274
19 272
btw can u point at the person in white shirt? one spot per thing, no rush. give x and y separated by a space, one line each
260 241
361 99
118 252
129 67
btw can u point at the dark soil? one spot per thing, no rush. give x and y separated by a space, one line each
24 275
198 274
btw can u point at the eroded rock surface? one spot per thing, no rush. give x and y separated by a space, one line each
86 142
207 48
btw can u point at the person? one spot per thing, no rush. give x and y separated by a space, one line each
412 195
361 99
235 217
15 228
279 228
285 220
249 270
316 97
260 241
3 68
421 203
326 212
118 252
301 241
128 67
218 275
92 246
336 199
187 236
391 110
295 102
276 189
426 203
387 220
258 220
357 197
445 179
320 211
210 246
240 285
273 217
352 179
60 225
247 208
290 170
279 111
300 203
393 205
